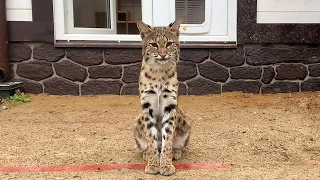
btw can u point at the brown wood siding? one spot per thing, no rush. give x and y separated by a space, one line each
42 10
31 31
40 29
249 31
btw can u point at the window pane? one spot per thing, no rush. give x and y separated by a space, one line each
92 13
96 14
129 11
191 11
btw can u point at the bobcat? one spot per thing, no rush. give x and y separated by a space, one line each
162 131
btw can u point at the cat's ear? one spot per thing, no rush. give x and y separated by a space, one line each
143 28
175 25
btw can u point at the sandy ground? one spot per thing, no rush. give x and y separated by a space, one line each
263 136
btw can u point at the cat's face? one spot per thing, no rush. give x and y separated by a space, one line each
160 44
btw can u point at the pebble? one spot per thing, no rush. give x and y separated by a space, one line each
59 178
4 107
123 170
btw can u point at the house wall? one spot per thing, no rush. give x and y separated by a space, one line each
19 10
40 29
269 58
249 68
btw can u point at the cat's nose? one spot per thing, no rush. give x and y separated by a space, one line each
163 54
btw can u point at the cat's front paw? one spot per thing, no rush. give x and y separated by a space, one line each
167 170
152 169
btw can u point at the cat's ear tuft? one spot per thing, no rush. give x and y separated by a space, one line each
175 25
143 28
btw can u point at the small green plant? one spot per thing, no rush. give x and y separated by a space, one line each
22 98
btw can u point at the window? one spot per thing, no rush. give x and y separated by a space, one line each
115 20
191 11
90 17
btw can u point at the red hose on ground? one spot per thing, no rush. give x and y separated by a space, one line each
77 168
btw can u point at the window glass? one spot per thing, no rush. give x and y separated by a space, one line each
191 11
91 14
96 14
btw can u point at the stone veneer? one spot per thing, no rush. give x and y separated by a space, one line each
88 71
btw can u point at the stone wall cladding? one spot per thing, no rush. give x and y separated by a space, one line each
89 71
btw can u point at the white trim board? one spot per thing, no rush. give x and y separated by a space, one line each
288 5
19 10
288 17
19 15
19 4
288 11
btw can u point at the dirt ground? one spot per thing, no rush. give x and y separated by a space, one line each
263 136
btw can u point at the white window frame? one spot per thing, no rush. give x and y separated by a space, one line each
71 29
147 16
61 33
193 28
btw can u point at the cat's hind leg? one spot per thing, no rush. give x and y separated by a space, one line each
140 137
181 135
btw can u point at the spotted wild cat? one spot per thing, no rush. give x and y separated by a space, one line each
162 131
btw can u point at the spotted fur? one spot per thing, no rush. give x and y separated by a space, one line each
162 131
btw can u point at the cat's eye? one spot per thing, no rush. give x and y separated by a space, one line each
154 44
169 44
